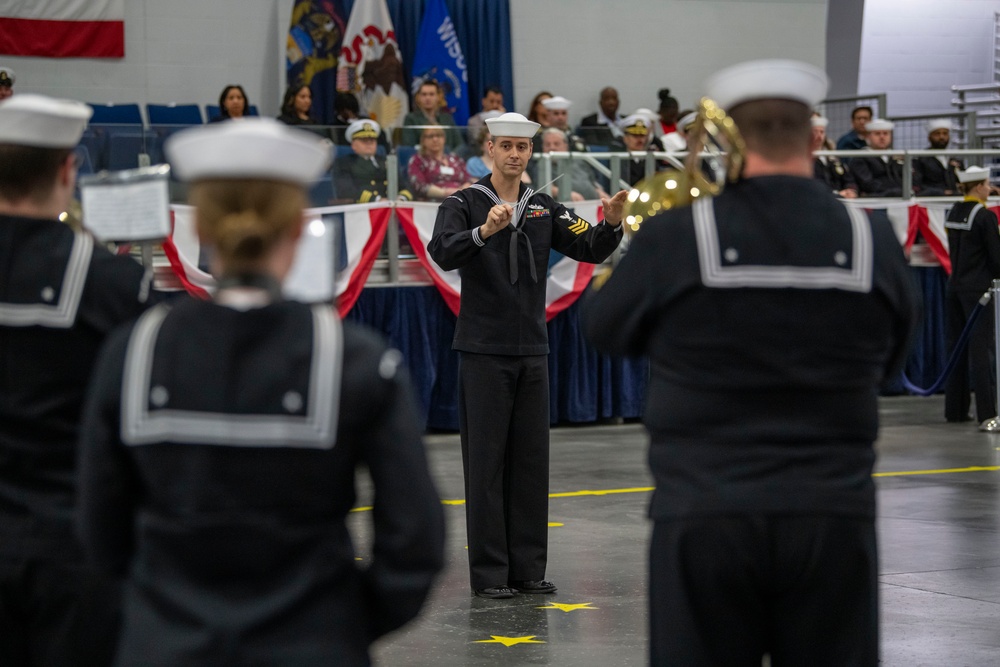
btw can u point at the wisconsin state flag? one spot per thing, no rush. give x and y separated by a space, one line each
63 28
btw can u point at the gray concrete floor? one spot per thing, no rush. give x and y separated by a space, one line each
939 547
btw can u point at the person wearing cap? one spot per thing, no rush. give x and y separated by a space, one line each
602 128
498 233
557 109
677 140
829 168
362 176
61 294
855 138
878 175
222 437
429 103
492 103
936 175
974 249
7 79
635 138
771 314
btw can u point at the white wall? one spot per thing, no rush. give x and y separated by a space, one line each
915 50
187 50
576 48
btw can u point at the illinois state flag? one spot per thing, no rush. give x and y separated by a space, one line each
371 65
63 28
439 57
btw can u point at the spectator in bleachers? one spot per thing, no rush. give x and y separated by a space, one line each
668 114
855 139
635 138
677 140
61 294
558 110
346 106
602 128
7 79
492 103
233 103
434 173
829 168
936 176
429 102
296 105
362 176
582 181
878 175
537 113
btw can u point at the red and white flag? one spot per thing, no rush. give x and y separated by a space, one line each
63 28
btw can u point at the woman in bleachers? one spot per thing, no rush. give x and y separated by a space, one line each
296 105
233 103
435 174
537 112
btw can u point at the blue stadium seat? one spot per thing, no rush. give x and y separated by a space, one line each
96 142
174 114
403 154
116 114
124 147
212 111
321 192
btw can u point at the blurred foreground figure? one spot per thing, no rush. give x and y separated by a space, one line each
222 439
770 314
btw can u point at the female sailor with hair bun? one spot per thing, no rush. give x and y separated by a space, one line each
222 437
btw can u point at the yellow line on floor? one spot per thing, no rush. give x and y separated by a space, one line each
647 489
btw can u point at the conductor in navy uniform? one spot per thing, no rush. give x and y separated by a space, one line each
770 314
222 437
498 233
61 294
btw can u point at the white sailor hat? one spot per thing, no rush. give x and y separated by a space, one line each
556 102
973 174
363 128
253 148
45 122
939 124
820 121
768 79
7 77
512 124
879 124
637 124
687 120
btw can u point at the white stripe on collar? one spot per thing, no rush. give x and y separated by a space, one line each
314 430
519 208
964 225
61 315
858 278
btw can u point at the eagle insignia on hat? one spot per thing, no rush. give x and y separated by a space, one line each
5 79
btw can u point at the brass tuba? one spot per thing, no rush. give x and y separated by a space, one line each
713 140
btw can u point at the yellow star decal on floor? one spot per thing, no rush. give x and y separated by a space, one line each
568 607
510 641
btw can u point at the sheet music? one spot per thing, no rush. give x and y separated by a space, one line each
130 211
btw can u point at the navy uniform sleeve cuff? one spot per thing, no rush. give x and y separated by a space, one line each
477 239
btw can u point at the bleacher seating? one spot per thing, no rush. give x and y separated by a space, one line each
212 111
116 114
174 114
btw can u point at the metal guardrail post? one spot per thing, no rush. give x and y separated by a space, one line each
392 233
616 169
907 176
650 165
545 171
883 105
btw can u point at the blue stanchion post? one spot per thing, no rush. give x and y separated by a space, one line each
993 425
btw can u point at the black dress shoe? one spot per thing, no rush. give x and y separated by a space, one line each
540 586
495 592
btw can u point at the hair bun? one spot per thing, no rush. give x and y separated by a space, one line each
664 94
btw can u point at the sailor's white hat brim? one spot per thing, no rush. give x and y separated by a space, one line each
249 148
44 122
768 79
939 124
558 102
879 124
974 174
512 124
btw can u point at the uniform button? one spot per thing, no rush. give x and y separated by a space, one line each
48 294
159 396
292 401
840 257
731 254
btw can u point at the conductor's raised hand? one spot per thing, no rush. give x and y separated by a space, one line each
614 208
498 218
